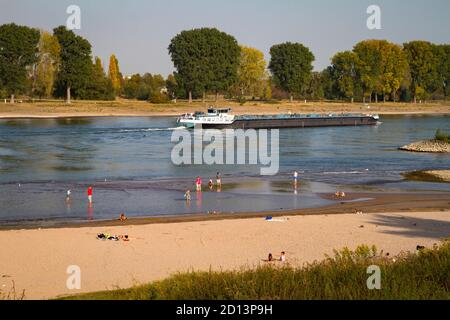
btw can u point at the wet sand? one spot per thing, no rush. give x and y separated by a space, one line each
366 202
37 260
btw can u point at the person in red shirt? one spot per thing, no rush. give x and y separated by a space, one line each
198 184
90 193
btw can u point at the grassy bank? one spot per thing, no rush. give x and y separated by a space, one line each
425 275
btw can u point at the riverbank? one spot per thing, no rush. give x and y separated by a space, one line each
430 176
125 108
37 260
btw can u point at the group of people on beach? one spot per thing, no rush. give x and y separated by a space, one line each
90 194
199 185
282 258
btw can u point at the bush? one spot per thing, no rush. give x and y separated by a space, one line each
158 98
442 136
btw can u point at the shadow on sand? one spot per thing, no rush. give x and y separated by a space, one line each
413 227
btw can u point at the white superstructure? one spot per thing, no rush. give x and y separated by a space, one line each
214 116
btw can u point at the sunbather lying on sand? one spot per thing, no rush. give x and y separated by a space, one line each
107 236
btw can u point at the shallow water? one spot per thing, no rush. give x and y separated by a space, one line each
48 156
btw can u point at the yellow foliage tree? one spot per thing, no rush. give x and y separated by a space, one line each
252 74
47 65
115 75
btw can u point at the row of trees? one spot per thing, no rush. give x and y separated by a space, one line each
378 68
208 61
43 65
39 64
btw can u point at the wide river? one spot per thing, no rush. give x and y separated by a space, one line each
128 160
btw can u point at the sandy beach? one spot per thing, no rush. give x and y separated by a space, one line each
130 108
37 260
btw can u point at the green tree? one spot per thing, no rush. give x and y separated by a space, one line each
76 61
328 83
252 76
394 68
99 86
115 75
442 53
423 68
291 67
18 53
205 59
47 65
172 86
136 88
369 67
315 89
343 72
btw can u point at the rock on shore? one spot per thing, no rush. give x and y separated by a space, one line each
427 146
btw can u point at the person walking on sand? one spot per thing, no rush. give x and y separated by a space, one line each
90 192
198 184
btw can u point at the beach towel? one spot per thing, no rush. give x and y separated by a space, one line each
106 236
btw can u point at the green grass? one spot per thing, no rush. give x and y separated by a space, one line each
442 136
425 275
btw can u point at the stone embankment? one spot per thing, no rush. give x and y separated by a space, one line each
427 146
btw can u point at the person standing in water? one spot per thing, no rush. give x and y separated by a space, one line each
187 195
198 184
69 193
90 192
219 180
295 178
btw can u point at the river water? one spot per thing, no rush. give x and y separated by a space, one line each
128 161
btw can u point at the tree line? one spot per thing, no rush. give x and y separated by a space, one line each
40 64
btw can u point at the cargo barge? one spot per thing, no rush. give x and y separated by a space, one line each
222 119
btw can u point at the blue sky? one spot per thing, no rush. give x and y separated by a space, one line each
139 31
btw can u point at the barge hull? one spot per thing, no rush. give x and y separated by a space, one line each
295 123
